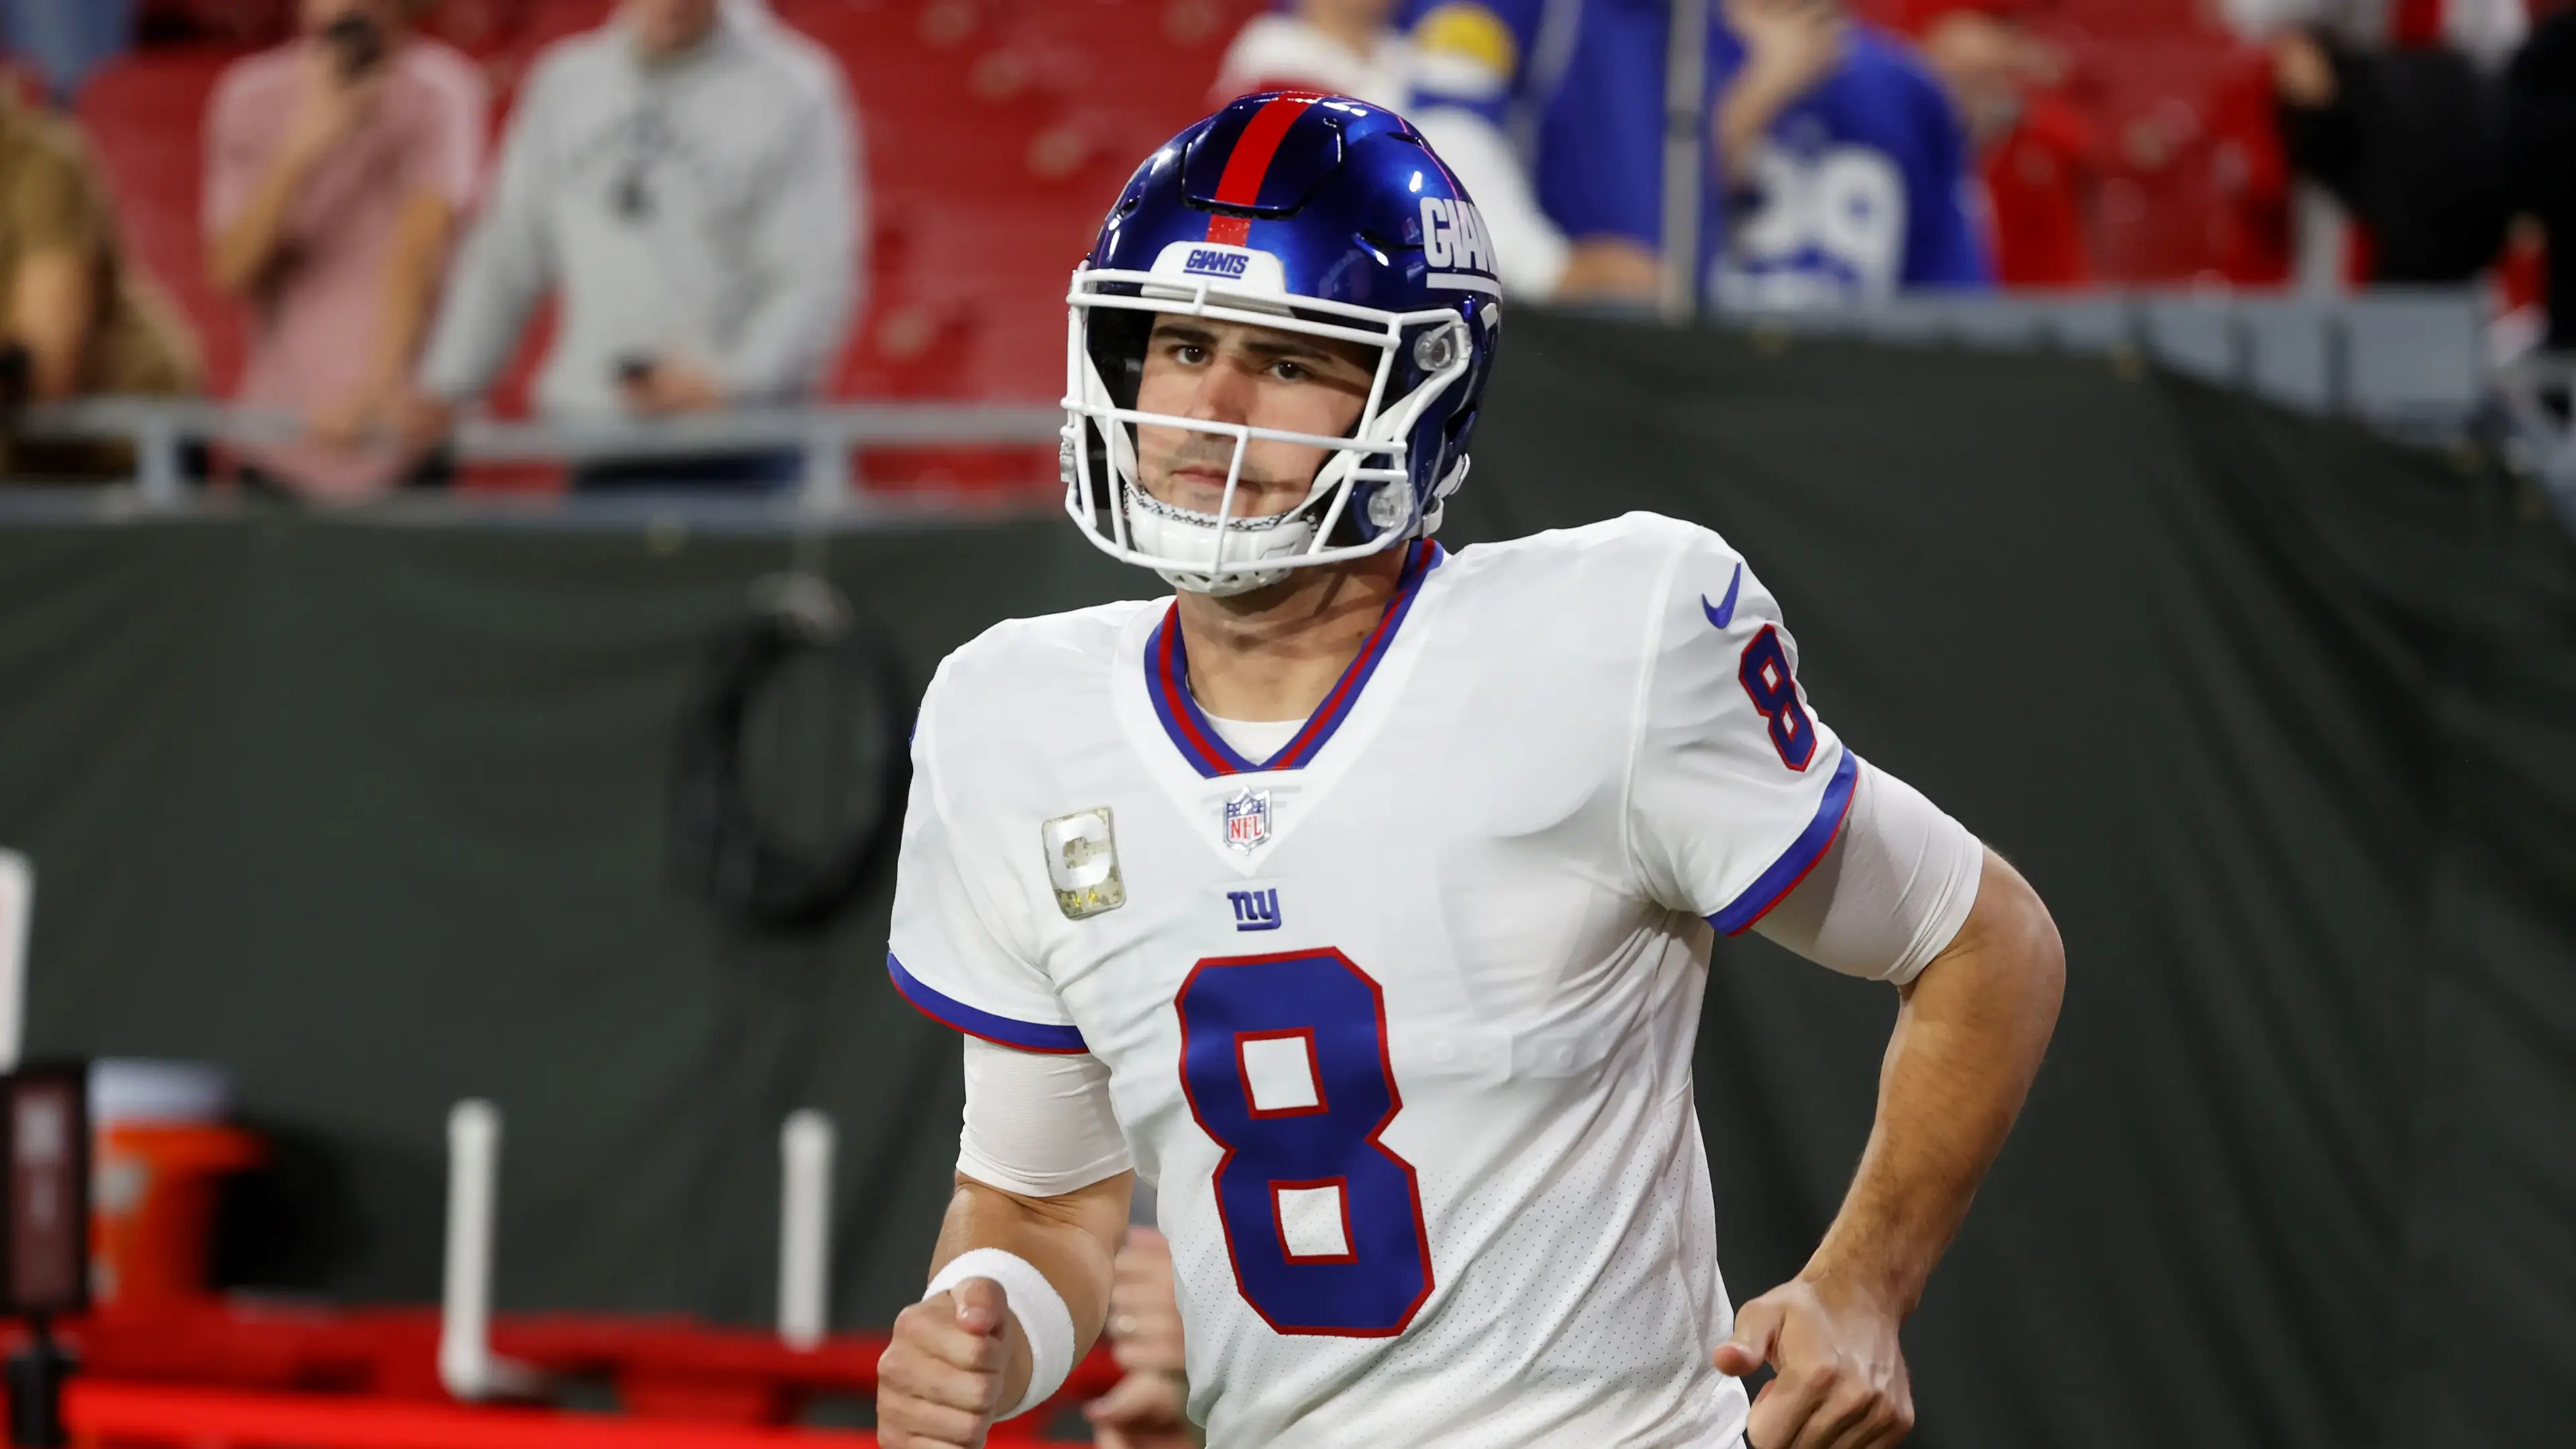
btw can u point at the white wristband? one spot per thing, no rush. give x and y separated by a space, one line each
1044 1320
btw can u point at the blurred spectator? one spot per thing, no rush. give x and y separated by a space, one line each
2316 137
1342 46
66 40
1488 92
1147 1409
1838 168
2486 31
2037 154
1457 92
2409 140
2540 99
337 167
74 320
1840 159
685 181
2249 228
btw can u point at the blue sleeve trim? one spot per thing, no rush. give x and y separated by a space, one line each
1028 1036
1772 885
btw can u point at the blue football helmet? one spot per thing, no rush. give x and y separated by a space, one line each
1305 213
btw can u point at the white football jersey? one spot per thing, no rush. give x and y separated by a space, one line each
1399 1021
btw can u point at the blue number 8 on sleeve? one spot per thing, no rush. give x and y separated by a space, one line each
1284 1062
1773 687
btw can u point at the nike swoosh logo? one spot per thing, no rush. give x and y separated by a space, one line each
1722 613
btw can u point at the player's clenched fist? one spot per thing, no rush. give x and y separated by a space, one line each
1841 1383
939 1383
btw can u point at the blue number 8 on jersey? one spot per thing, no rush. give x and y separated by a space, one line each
1305 1152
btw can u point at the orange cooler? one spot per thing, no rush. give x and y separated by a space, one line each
161 1153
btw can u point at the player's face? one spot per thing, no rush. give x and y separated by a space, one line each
1230 372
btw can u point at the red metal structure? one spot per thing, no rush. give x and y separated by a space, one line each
238 1375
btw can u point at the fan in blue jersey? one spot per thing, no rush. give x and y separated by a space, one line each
1836 168
1359 896
1489 90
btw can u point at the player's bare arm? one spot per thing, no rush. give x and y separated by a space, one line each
962 1357
1790 47
1969 1036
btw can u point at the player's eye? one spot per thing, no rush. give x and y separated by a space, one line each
1287 371
1188 353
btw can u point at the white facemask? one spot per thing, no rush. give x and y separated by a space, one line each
1227 553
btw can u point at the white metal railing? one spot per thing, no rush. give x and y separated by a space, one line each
162 429
2414 360
2537 395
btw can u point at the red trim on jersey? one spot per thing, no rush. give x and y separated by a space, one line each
1167 683
1328 715
1806 840
1341 1187
1029 1036
1212 761
1314 1074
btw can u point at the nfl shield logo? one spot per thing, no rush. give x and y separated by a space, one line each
1247 820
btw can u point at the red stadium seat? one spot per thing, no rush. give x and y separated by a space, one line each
2189 190
998 130
145 117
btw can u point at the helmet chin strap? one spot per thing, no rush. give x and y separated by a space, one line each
1169 531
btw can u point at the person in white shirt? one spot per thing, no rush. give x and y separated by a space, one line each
686 181
1345 47
1351 48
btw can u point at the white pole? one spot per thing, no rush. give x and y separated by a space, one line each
17 915
805 1147
1686 155
465 1311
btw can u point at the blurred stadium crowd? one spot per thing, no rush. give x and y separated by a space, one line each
368 214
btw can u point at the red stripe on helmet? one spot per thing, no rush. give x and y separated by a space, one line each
1240 185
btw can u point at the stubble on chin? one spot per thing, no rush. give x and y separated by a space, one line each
1256 495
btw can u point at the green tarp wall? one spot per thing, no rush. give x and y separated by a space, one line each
2279 717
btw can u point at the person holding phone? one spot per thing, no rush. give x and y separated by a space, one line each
684 182
338 166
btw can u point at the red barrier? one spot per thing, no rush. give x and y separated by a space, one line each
103 1414
234 1375
115 1414
662 1368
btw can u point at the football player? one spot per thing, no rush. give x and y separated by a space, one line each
1360 895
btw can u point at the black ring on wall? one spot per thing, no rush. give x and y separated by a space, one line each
721 848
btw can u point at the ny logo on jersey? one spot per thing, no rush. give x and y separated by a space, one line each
1255 910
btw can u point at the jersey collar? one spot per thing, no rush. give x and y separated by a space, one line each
1167 683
